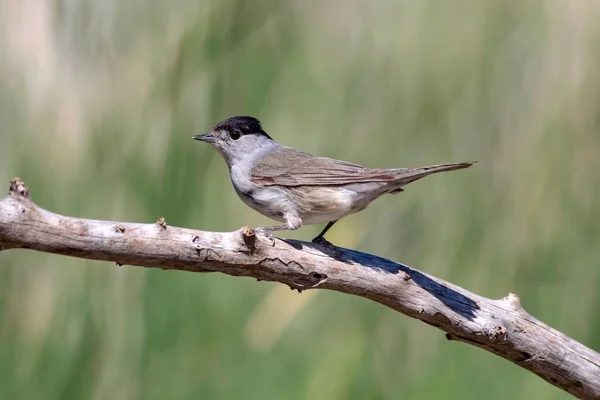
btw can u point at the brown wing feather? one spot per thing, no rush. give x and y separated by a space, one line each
288 167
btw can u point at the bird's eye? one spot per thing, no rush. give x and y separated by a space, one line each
235 135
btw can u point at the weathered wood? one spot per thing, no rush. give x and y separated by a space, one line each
499 326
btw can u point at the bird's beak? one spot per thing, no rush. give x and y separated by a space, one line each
207 137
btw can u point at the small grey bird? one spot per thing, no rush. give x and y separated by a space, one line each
297 188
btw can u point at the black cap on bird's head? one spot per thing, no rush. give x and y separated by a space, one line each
246 125
236 127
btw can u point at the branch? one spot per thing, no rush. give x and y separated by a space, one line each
502 326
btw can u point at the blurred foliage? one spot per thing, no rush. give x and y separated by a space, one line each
99 100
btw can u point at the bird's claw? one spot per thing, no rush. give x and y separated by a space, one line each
322 241
266 234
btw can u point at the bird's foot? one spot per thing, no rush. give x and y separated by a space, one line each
324 242
269 236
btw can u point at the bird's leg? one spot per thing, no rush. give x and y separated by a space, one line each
320 238
293 222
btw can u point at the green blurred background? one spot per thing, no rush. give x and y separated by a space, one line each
98 103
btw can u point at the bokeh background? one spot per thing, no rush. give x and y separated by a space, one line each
98 103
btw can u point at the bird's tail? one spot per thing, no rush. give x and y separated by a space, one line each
408 175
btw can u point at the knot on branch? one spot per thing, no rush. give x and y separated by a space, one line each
497 333
249 238
18 188
310 281
513 301
161 222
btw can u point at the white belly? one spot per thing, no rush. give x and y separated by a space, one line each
312 205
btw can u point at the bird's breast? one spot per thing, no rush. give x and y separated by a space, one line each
271 202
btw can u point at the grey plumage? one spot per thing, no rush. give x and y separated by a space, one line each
288 167
298 188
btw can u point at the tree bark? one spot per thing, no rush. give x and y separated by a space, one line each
502 326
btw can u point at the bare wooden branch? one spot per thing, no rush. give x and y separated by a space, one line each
502 326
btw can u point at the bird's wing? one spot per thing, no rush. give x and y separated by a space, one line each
289 167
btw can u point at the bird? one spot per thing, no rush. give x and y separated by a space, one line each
297 188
